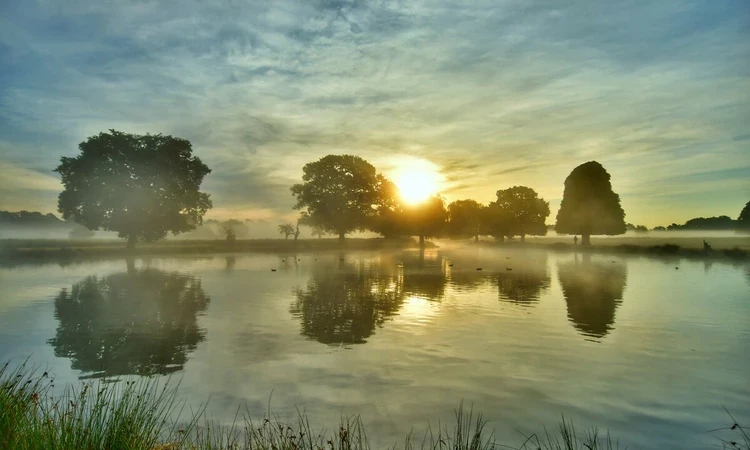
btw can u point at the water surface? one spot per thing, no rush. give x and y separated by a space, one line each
651 349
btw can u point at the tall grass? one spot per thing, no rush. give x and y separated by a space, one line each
145 415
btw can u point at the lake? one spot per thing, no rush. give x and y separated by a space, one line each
651 349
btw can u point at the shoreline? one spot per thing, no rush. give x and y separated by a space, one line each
41 251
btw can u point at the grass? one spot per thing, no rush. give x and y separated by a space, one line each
146 415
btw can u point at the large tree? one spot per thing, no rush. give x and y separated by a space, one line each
425 219
523 210
141 187
466 218
589 206
340 194
743 221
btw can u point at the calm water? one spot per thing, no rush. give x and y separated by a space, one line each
634 345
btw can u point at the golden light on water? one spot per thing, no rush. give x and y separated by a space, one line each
417 179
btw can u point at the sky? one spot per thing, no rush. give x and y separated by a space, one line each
490 94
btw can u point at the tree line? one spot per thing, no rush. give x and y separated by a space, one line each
145 186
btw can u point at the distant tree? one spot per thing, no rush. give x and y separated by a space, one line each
230 233
287 229
523 210
743 221
340 193
466 218
660 228
80 232
318 232
426 219
636 228
141 187
589 206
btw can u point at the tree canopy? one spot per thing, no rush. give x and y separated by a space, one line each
340 194
743 221
466 218
140 186
589 206
287 229
426 219
522 211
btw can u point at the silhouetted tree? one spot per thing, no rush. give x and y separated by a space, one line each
296 231
498 221
592 292
287 229
660 228
425 219
743 221
135 323
589 206
466 218
141 187
636 228
522 210
318 232
340 193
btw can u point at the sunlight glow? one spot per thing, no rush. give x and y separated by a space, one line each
417 179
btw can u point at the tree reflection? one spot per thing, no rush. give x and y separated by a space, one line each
347 304
592 292
524 284
137 322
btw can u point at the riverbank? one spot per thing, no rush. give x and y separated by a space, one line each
141 415
40 251
21 251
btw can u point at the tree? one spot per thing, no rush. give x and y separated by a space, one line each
589 206
287 229
523 211
340 193
425 219
140 186
743 221
318 232
296 231
466 218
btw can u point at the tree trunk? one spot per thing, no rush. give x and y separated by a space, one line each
286 237
476 238
586 239
342 236
421 241
523 238
502 239
132 239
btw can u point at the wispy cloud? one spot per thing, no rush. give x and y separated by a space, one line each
496 93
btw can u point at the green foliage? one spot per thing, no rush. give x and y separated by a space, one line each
341 194
589 206
287 229
518 211
743 221
466 218
426 219
141 187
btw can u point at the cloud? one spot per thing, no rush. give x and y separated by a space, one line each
496 93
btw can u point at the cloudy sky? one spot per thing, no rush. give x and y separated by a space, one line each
493 93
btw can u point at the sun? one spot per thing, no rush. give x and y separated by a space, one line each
417 179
